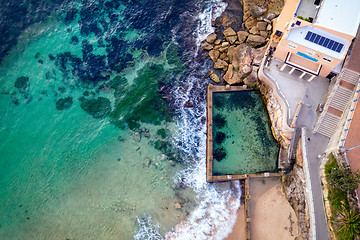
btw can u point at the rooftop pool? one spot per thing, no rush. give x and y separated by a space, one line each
242 139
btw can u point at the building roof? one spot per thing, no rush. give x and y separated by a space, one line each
340 15
299 34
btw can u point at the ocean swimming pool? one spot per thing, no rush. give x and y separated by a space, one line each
242 139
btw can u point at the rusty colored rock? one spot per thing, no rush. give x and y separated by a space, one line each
206 46
261 26
211 38
214 77
229 32
242 35
255 40
214 55
220 64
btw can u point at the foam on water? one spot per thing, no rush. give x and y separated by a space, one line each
148 229
215 215
210 14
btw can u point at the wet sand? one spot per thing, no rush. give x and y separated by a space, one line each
238 232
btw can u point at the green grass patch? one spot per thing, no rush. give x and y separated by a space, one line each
336 196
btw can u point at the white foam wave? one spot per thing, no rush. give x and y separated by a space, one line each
215 215
148 229
210 14
213 218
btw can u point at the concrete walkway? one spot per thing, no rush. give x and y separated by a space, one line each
296 90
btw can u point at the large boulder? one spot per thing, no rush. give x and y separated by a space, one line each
230 35
206 46
211 38
254 31
229 32
252 79
263 34
220 64
257 11
250 22
255 40
240 60
258 54
229 76
261 26
270 16
242 35
214 55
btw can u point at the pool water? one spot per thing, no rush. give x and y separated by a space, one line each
243 141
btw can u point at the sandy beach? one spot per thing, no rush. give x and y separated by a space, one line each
238 232
274 218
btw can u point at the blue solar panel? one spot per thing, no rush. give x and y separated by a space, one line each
308 35
334 47
324 41
312 37
338 49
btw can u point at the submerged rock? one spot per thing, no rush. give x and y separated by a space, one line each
98 108
220 137
137 137
22 83
219 154
64 103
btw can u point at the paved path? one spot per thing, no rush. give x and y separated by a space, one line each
311 94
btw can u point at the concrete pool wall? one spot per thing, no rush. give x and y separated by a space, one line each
210 177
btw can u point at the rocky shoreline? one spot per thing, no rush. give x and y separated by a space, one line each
237 48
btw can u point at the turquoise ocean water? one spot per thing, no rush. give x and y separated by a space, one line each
243 139
97 139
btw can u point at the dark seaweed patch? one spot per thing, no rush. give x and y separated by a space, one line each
220 138
74 40
70 15
142 102
161 132
64 103
219 154
98 108
22 83
219 121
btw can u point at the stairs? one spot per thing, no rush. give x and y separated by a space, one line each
328 122
350 76
328 125
341 98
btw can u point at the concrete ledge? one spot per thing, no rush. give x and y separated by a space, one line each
209 140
